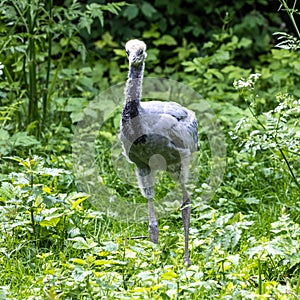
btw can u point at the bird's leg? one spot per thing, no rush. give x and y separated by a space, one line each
145 179
153 227
186 213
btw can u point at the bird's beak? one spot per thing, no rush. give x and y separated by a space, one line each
135 59
132 58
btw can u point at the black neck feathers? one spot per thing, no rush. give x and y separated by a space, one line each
133 92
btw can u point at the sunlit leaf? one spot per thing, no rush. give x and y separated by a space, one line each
78 201
76 198
169 275
100 262
51 220
78 261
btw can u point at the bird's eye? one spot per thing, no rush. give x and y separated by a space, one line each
140 51
127 52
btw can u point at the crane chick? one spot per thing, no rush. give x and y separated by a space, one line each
156 135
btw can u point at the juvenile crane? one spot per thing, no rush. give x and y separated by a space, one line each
156 135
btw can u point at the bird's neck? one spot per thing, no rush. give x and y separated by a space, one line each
133 91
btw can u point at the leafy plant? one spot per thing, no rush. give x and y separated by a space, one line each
276 130
289 41
34 46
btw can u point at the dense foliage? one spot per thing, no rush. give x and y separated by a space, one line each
55 59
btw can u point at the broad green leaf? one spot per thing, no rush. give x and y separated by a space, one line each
51 220
75 104
165 40
130 12
111 246
120 52
244 42
221 56
152 33
79 274
23 139
148 10
274 250
7 191
81 243
47 190
53 171
257 250
232 191
216 73
107 40
169 275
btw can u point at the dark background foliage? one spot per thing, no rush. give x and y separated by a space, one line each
197 22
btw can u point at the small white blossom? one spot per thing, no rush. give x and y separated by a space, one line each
249 83
254 76
242 83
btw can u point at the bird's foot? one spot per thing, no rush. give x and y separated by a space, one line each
153 233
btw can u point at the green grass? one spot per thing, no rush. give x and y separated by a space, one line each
244 245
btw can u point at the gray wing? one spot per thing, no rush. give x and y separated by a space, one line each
174 121
171 108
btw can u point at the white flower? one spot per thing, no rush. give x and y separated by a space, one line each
249 83
254 76
242 83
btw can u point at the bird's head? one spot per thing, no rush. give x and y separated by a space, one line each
136 52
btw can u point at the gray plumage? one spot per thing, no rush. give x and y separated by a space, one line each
156 135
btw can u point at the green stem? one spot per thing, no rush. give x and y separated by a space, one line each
8 76
31 175
260 289
289 166
298 286
32 65
21 14
290 13
50 36
53 82
32 221
279 148
283 155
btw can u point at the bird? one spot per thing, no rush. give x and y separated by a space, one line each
156 135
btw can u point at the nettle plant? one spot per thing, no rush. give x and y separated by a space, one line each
35 208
